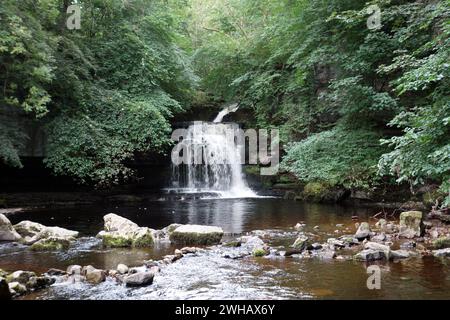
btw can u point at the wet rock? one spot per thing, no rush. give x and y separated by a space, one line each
46 233
363 231
178 253
381 237
349 240
336 243
232 244
326 254
5 294
381 224
314 246
3 273
399 254
411 224
300 243
139 279
122 269
74 270
28 228
20 276
36 283
93 275
378 247
251 242
299 226
7 232
259 252
56 272
442 252
196 235
408 245
369 255
187 250
51 244
121 232
441 243
17 288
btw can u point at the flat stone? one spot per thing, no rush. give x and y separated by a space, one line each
370 255
139 279
197 235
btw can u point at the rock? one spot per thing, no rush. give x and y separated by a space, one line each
20 276
251 242
442 252
349 240
5 294
3 273
408 245
441 243
187 250
7 232
51 244
363 231
139 279
36 283
28 228
93 275
399 254
178 253
232 244
299 226
379 237
411 224
56 272
326 254
74 270
369 255
196 235
381 224
336 243
300 243
18 288
314 246
378 247
121 232
122 269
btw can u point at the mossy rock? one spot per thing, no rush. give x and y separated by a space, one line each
232 244
259 252
3 273
116 241
146 240
441 243
50 244
315 191
196 235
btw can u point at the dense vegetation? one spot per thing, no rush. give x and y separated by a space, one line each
356 106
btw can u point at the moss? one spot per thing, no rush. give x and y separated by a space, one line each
145 241
441 243
50 245
252 170
116 242
232 244
259 252
430 198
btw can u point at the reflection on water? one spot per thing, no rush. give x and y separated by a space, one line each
211 276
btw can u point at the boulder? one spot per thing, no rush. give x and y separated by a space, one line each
5 294
74 270
399 254
56 272
378 247
17 288
259 252
196 235
122 269
93 275
411 224
370 255
300 243
137 279
121 232
363 231
336 243
50 244
7 232
251 242
20 276
36 283
442 252
28 228
33 232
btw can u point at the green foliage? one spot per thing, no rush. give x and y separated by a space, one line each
338 156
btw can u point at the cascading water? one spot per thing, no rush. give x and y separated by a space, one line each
212 160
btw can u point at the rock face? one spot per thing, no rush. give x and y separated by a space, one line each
363 231
7 232
190 234
411 224
121 232
138 279
5 294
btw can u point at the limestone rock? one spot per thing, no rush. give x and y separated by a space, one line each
196 235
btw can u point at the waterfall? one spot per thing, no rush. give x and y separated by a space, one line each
225 111
213 161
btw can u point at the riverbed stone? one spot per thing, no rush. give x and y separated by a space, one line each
411 224
399 254
196 235
259 252
441 243
370 255
121 232
378 247
36 283
122 268
20 276
56 272
93 275
28 228
5 294
74 270
7 231
51 244
363 231
300 243
137 279
33 232
17 288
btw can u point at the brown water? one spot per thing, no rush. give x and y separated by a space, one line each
210 275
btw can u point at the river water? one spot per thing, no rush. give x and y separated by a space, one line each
210 275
